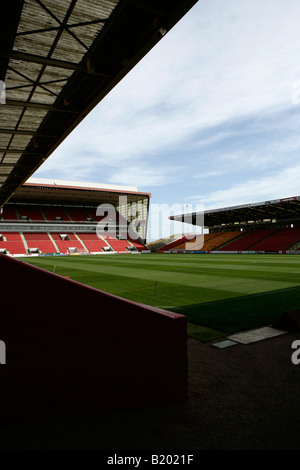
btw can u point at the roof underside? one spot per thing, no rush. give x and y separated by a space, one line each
287 209
59 59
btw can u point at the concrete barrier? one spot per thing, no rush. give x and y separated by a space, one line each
70 347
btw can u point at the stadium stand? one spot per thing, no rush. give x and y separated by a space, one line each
209 242
68 242
267 226
197 243
78 214
183 245
139 246
219 240
9 212
92 242
154 246
11 236
269 240
38 203
281 240
32 213
54 213
117 245
248 239
12 243
40 241
174 244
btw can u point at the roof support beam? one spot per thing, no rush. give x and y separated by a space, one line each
20 151
55 28
17 55
27 132
30 84
63 25
10 165
47 61
45 106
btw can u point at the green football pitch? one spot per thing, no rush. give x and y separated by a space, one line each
219 294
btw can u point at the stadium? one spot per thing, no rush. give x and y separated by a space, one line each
262 227
150 346
35 221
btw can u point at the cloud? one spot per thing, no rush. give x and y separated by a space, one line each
272 186
209 174
145 176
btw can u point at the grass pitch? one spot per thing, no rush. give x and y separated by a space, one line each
219 294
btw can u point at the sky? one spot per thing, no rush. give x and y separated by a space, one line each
209 118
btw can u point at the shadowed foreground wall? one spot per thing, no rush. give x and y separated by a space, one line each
70 347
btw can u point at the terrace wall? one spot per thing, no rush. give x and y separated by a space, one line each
74 348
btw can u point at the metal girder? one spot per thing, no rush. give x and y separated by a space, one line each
51 62
17 55
20 151
55 28
46 106
63 24
27 132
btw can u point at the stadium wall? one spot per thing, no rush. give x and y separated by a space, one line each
74 348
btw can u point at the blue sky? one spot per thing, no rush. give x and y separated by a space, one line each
210 116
